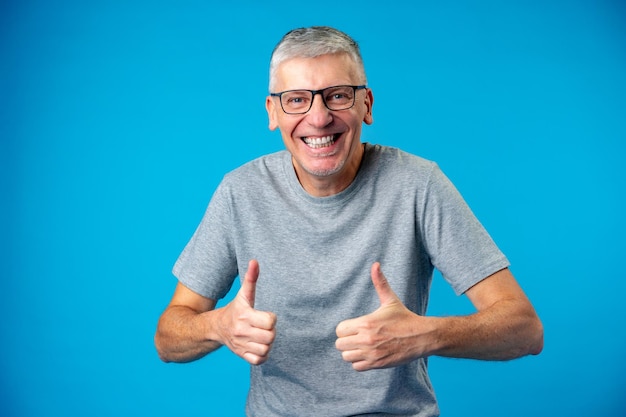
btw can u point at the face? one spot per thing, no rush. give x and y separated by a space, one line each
325 145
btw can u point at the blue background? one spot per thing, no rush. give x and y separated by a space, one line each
118 119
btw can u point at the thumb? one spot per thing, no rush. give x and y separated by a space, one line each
248 286
383 289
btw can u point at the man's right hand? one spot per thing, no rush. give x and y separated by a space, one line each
247 332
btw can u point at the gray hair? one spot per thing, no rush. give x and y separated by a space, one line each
313 42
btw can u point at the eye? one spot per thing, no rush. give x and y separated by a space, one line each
339 95
296 99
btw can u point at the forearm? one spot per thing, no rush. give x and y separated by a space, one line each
506 330
184 335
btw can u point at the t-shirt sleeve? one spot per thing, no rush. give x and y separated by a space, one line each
457 243
208 264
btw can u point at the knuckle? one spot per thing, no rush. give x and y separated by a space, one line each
367 326
272 318
370 339
264 350
239 329
253 359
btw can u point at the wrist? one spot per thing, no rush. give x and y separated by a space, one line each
210 326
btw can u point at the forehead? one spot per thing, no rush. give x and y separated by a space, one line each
316 73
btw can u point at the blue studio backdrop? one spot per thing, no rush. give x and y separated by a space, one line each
119 118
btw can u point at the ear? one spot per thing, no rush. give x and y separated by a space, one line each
369 102
270 106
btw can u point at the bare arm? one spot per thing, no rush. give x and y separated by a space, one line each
504 327
191 327
183 331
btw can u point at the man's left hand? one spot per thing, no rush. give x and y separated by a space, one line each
390 336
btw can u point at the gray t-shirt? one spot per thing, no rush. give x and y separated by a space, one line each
315 256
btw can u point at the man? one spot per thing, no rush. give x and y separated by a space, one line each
312 229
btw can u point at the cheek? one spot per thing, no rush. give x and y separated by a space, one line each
287 134
355 124
289 127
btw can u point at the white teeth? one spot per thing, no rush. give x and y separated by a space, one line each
319 142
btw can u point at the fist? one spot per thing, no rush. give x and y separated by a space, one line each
381 338
249 333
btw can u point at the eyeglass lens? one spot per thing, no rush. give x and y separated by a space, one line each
335 98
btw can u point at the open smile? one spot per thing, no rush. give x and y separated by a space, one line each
320 141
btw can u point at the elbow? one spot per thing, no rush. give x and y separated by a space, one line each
536 347
529 340
531 333
158 344
532 341
164 358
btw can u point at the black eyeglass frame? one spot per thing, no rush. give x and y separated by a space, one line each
355 88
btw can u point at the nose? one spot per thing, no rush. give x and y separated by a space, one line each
319 115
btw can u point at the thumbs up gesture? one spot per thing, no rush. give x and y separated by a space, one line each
387 337
247 332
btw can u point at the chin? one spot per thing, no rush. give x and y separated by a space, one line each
323 172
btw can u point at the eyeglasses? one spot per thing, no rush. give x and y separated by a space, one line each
339 97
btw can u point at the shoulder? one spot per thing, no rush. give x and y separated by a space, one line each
393 163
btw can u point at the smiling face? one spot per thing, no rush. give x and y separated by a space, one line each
325 145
